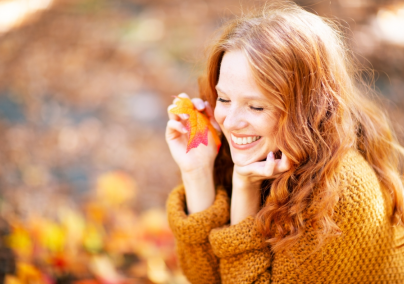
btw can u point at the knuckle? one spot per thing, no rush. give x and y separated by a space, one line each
285 166
281 169
269 173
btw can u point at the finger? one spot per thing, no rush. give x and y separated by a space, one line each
174 129
173 116
183 95
283 164
256 168
198 104
209 112
269 167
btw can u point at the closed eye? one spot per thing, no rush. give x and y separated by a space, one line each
222 100
251 107
257 108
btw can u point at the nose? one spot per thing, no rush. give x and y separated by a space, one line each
235 119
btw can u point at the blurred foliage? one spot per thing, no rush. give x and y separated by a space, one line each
103 241
84 87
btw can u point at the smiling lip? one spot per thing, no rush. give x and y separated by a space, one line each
243 135
244 146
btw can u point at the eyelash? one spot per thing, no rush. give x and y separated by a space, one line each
253 108
222 100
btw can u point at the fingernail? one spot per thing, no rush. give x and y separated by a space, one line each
184 130
271 155
200 105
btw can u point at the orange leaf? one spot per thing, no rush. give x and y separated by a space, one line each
197 125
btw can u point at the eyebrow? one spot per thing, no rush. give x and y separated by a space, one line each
247 97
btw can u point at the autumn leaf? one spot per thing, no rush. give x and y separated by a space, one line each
115 188
197 124
20 240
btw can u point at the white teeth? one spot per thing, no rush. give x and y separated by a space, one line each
244 140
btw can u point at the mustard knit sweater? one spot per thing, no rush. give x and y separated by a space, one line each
211 251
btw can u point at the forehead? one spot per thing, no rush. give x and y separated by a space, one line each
235 77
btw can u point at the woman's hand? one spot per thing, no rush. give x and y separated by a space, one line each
197 165
247 181
201 157
257 172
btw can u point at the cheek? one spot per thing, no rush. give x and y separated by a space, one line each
219 115
266 126
271 129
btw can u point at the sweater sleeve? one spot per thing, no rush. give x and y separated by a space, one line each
244 255
191 232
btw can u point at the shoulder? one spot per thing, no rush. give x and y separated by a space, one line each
355 170
361 197
357 177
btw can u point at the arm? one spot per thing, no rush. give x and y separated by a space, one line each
191 232
196 165
244 255
246 193
200 189
245 201
207 208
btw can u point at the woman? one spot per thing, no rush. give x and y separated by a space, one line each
311 165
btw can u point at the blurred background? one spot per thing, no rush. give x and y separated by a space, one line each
84 87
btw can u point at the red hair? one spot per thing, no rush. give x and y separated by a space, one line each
299 60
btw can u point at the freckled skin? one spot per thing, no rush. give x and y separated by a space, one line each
236 85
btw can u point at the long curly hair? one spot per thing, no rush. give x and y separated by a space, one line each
300 61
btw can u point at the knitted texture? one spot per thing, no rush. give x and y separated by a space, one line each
370 249
195 254
243 252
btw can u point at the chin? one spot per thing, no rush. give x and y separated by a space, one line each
241 161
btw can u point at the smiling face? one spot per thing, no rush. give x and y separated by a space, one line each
245 115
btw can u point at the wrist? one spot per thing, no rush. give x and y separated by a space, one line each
246 197
241 182
199 189
197 174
